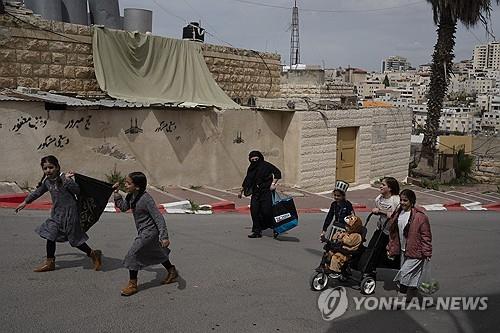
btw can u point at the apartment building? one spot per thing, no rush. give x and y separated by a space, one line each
487 56
395 64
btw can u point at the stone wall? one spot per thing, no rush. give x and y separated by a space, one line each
183 147
487 154
31 56
487 170
329 90
173 147
390 143
383 145
57 56
244 73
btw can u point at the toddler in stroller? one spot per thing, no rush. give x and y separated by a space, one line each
345 250
341 246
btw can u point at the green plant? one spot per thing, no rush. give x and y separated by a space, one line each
386 82
430 184
194 205
465 165
116 176
459 181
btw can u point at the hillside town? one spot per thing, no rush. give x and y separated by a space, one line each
472 106
217 166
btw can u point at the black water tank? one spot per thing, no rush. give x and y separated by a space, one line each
193 32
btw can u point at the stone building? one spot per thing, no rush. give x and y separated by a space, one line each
179 144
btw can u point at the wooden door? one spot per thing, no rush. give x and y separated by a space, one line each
346 154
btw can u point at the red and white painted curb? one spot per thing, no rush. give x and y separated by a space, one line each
185 207
458 206
179 207
452 206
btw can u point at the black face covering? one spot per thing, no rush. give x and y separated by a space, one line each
257 173
256 153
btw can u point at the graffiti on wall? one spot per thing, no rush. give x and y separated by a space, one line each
134 129
84 121
57 141
165 126
238 138
34 123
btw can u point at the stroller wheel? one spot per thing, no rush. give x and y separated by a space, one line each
319 281
368 285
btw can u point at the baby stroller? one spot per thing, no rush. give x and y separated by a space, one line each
360 268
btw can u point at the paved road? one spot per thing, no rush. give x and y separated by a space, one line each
362 199
230 283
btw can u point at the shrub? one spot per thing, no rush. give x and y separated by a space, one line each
465 165
116 176
430 184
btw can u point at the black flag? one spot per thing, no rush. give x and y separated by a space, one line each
92 200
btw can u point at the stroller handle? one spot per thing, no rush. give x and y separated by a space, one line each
369 217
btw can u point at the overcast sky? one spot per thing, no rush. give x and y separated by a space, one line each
360 34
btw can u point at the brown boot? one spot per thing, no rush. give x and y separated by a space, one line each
130 289
171 276
48 265
96 256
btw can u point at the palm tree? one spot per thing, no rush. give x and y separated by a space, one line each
447 13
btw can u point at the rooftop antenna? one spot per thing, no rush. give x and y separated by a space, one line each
294 39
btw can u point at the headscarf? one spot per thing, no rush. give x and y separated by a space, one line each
250 178
256 153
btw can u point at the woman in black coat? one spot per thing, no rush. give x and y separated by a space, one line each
260 182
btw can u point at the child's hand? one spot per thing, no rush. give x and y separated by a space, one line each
165 243
116 187
70 174
20 206
375 210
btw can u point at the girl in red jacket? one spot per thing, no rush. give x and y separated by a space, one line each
410 237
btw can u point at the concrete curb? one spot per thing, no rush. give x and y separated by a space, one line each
493 206
13 198
41 205
184 206
223 206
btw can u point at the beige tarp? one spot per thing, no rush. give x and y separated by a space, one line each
150 69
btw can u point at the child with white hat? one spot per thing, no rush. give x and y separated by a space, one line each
339 209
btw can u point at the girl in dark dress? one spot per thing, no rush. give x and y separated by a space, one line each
150 246
64 222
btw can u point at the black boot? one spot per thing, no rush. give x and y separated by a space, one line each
255 235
